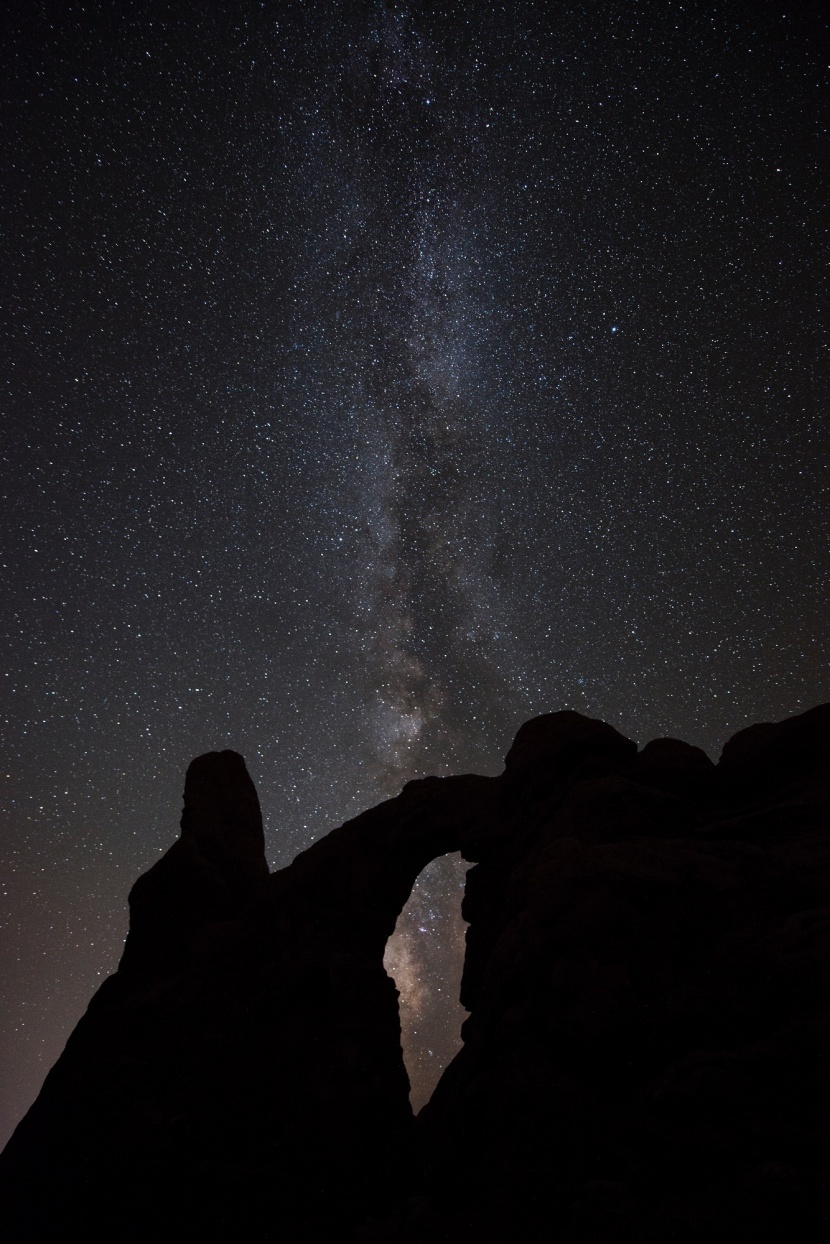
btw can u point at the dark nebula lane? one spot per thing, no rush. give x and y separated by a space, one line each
380 376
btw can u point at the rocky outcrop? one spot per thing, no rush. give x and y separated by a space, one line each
648 971
648 976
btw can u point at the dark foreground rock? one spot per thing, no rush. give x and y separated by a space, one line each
647 1056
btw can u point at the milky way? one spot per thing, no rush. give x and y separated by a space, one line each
379 377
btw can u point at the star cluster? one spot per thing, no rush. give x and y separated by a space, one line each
379 376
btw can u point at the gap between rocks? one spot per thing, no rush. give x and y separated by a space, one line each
425 957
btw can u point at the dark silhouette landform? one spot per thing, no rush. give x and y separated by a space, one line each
647 1056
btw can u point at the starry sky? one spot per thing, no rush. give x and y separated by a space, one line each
377 376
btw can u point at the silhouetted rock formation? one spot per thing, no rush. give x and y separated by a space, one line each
646 1057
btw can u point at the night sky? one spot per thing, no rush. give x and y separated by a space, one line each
376 377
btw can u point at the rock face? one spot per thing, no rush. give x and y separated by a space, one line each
646 1057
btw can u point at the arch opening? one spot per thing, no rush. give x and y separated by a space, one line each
425 958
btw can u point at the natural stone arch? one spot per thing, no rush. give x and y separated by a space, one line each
246 1056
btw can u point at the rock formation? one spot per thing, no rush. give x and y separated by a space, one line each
646 1058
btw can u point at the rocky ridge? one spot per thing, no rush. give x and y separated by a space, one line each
648 978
